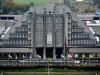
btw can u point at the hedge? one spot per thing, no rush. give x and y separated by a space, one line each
86 58
32 67
11 59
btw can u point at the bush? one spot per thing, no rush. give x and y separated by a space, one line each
86 58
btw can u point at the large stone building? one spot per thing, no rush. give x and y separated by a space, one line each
48 30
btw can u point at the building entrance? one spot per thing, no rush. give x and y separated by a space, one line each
40 51
58 52
49 52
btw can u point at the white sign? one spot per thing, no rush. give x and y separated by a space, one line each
76 55
79 0
49 38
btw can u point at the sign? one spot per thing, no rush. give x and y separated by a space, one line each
49 38
76 55
49 69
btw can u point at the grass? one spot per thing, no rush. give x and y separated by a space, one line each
49 58
36 2
46 71
80 3
54 70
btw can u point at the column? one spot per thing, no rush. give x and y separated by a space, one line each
54 53
26 55
14 54
63 51
20 55
35 53
33 34
54 38
44 53
2 54
44 35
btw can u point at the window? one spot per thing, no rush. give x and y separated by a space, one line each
29 42
29 29
29 35
25 42
72 43
73 35
69 36
75 42
13 41
20 42
16 41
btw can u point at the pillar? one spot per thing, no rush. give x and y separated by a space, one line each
20 54
35 53
14 54
54 51
64 41
26 55
2 54
44 53
44 35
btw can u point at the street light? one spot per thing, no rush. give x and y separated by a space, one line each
49 68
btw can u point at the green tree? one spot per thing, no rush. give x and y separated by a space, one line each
27 7
99 5
2 1
20 8
93 10
86 11
67 2
10 0
8 6
96 2
31 4
90 10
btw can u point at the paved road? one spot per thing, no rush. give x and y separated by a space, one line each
24 62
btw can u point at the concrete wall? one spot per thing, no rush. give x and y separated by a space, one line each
84 50
17 50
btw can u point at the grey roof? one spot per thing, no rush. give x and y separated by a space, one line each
81 23
89 17
49 7
10 15
2 27
12 30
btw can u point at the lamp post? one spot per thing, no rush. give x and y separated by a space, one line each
37 61
49 69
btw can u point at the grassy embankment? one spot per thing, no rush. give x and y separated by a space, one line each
36 2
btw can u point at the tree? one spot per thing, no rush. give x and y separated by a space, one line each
96 2
8 6
2 1
90 10
67 2
19 8
27 7
99 5
93 10
31 4
82 12
10 0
